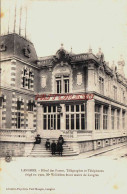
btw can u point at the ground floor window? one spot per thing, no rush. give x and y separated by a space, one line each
18 124
118 119
113 118
97 117
75 117
51 118
105 117
123 119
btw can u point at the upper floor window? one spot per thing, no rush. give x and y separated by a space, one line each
31 105
27 78
115 92
62 84
101 85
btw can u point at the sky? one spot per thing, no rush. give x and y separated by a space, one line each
79 24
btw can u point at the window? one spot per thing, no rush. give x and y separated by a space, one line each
75 117
118 119
31 105
112 117
18 123
97 117
58 86
1 101
62 84
105 117
51 118
66 85
101 85
123 119
115 92
27 79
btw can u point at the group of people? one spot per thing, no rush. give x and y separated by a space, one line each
55 147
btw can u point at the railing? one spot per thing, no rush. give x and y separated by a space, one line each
17 135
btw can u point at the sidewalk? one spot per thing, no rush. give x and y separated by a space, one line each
97 152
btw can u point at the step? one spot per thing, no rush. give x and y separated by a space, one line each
39 150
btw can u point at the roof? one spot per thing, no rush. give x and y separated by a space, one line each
17 46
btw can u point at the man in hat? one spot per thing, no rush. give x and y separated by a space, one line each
53 147
47 144
61 139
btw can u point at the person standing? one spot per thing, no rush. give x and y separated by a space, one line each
53 147
47 144
59 148
61 139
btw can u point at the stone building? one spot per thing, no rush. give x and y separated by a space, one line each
76 95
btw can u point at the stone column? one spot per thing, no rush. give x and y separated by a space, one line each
91 115
63 119
39 119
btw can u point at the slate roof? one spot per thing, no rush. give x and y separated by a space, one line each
17 45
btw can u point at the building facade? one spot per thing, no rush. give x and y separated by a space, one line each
76 95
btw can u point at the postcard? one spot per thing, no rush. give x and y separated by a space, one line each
63 97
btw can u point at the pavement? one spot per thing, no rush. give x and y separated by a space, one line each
98 152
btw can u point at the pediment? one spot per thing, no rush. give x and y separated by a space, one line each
61 56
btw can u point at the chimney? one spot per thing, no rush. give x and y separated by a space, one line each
121 64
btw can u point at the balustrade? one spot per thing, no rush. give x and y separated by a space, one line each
17 135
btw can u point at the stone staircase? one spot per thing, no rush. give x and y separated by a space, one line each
39 150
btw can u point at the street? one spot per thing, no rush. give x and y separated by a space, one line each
116 153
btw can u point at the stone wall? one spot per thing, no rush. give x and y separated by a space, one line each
15 148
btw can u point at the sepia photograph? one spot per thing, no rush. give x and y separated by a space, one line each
63 96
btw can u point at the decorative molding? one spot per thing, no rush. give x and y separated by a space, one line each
43 81
79 78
